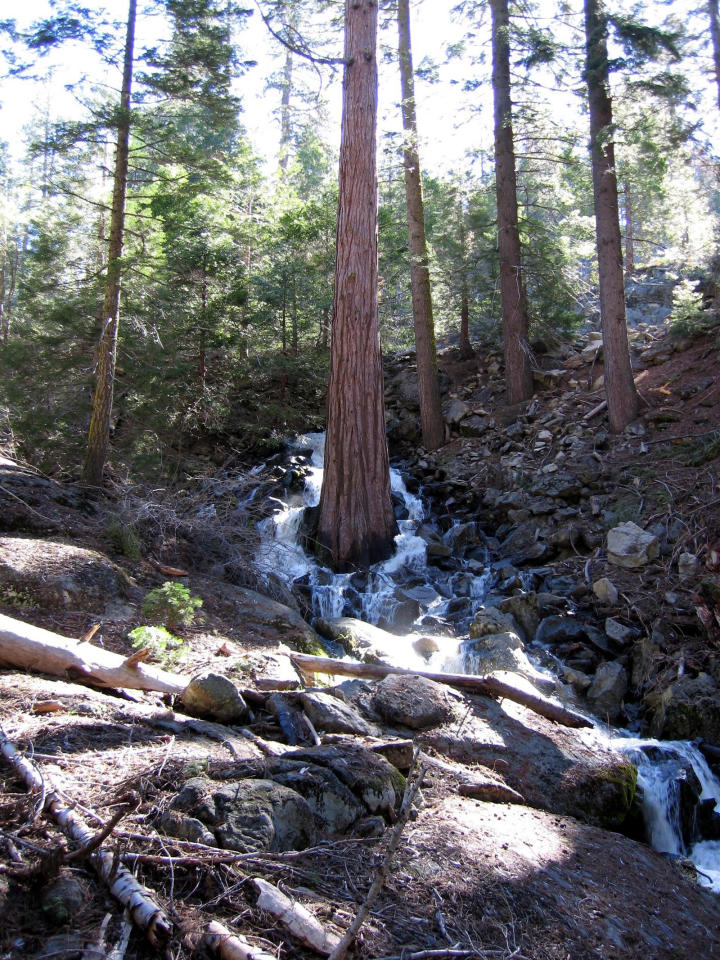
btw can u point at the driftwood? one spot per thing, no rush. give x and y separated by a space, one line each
298 921
489 686
136 898
32 648
228 946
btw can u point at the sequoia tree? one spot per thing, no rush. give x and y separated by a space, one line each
622 398
433 429
356 523
518 372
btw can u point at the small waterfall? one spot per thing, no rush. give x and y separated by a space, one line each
676 783
677 787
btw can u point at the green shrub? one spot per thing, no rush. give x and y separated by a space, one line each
163 645
687 317
172 604
123 538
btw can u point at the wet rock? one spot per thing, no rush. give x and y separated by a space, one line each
629 546
330 715
525 610
414 702
687 709
609 686
212 695
490 620
606 591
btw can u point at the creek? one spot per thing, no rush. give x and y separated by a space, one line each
432 587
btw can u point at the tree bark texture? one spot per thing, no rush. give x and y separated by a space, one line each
620 390
629 232
466 350
715 37
356 523
518 372
99 433
433 427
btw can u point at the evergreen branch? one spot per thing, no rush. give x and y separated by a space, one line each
300 48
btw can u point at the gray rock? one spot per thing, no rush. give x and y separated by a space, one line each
491 620
606 591
688 566
62 899
525 610
331 715
618 632
333 804
456 411
689 708
249 815
605 694
212 695
175 824
414 702
629 546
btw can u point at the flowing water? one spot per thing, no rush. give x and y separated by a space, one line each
676 786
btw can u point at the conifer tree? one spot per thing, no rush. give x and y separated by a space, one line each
356 524
433 429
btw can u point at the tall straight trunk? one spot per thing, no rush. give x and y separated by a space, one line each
620 389
466 350
715 37
629 232
99 433
518 372
433 428
285 111
356 524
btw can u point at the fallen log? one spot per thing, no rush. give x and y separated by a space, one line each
229 946
32 648
135 897
295 918
488 686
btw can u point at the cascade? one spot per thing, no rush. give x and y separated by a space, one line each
680 796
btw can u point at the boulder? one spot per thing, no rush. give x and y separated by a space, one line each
456 411
331 715
249 815
629 546
606 591
414 702
57 575
524 608
212 695
687 709
605 694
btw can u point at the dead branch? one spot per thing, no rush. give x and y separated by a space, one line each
488 686
136 898
300 923
228 946
383 869
32 648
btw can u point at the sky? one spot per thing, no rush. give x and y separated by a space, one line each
448 127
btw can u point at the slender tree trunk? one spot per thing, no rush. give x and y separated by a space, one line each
285 111
99 433
620 390
715 36
433 428
356 524
202 345
295 334
518 372
466 350
629 233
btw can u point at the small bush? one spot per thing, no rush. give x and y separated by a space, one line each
163 645
688 317
123 538
172 604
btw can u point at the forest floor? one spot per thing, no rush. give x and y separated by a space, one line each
491 879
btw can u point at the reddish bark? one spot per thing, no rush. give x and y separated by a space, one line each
518 371
620 389
356 524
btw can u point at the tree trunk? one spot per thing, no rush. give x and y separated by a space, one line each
466 350
99 433
518 372
285 111
629 234
619 383
356 523
433 428
715 36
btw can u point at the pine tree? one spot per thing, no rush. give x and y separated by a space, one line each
433 429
